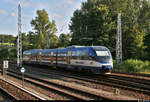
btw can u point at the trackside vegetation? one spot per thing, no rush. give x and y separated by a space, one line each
133 65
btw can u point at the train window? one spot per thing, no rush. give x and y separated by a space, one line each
57 54
78 54
62 56
91 56
84 54
43 55
101 51
62 53
47 54
54 53
73 54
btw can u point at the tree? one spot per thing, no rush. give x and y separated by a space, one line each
54 41
7 38
4 53
32 39
96 22
144 21
64 40
42 26
25 42
92 25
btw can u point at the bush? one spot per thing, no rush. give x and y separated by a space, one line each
6 53
132 65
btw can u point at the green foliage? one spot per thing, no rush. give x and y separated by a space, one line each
6 44
7 38
7 47
133 65
43 26
64 40
91 24
25 42
54 41
3 52
32 40
96 23
7 53
12 54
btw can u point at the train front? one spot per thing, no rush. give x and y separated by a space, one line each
104 58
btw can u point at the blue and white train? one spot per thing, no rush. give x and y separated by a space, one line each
95 58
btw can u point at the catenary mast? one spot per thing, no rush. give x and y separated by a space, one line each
19 39
119 40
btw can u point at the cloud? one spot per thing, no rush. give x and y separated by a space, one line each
57 16
12 14
29 4
26 4
12 1
3 12
58 10
27 17
70 2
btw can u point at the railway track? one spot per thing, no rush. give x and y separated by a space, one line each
114 73
126 83
5 96
131 83
109 80
74 92
50 86
16 91
132 74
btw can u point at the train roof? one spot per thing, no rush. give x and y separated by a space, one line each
31 51
85 47
73 47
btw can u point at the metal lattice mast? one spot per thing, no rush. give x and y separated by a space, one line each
19 40
119 40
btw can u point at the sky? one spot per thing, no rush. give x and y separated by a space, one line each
59 10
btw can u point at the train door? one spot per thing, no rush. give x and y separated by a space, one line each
51 57
40 58
29 58
69 59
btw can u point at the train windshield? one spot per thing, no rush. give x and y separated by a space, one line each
103 54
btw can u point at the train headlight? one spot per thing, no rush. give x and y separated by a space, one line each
112 64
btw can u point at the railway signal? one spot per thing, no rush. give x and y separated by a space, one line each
22 71
5 67
5 64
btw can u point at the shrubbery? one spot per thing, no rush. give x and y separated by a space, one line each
133 65
6 53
